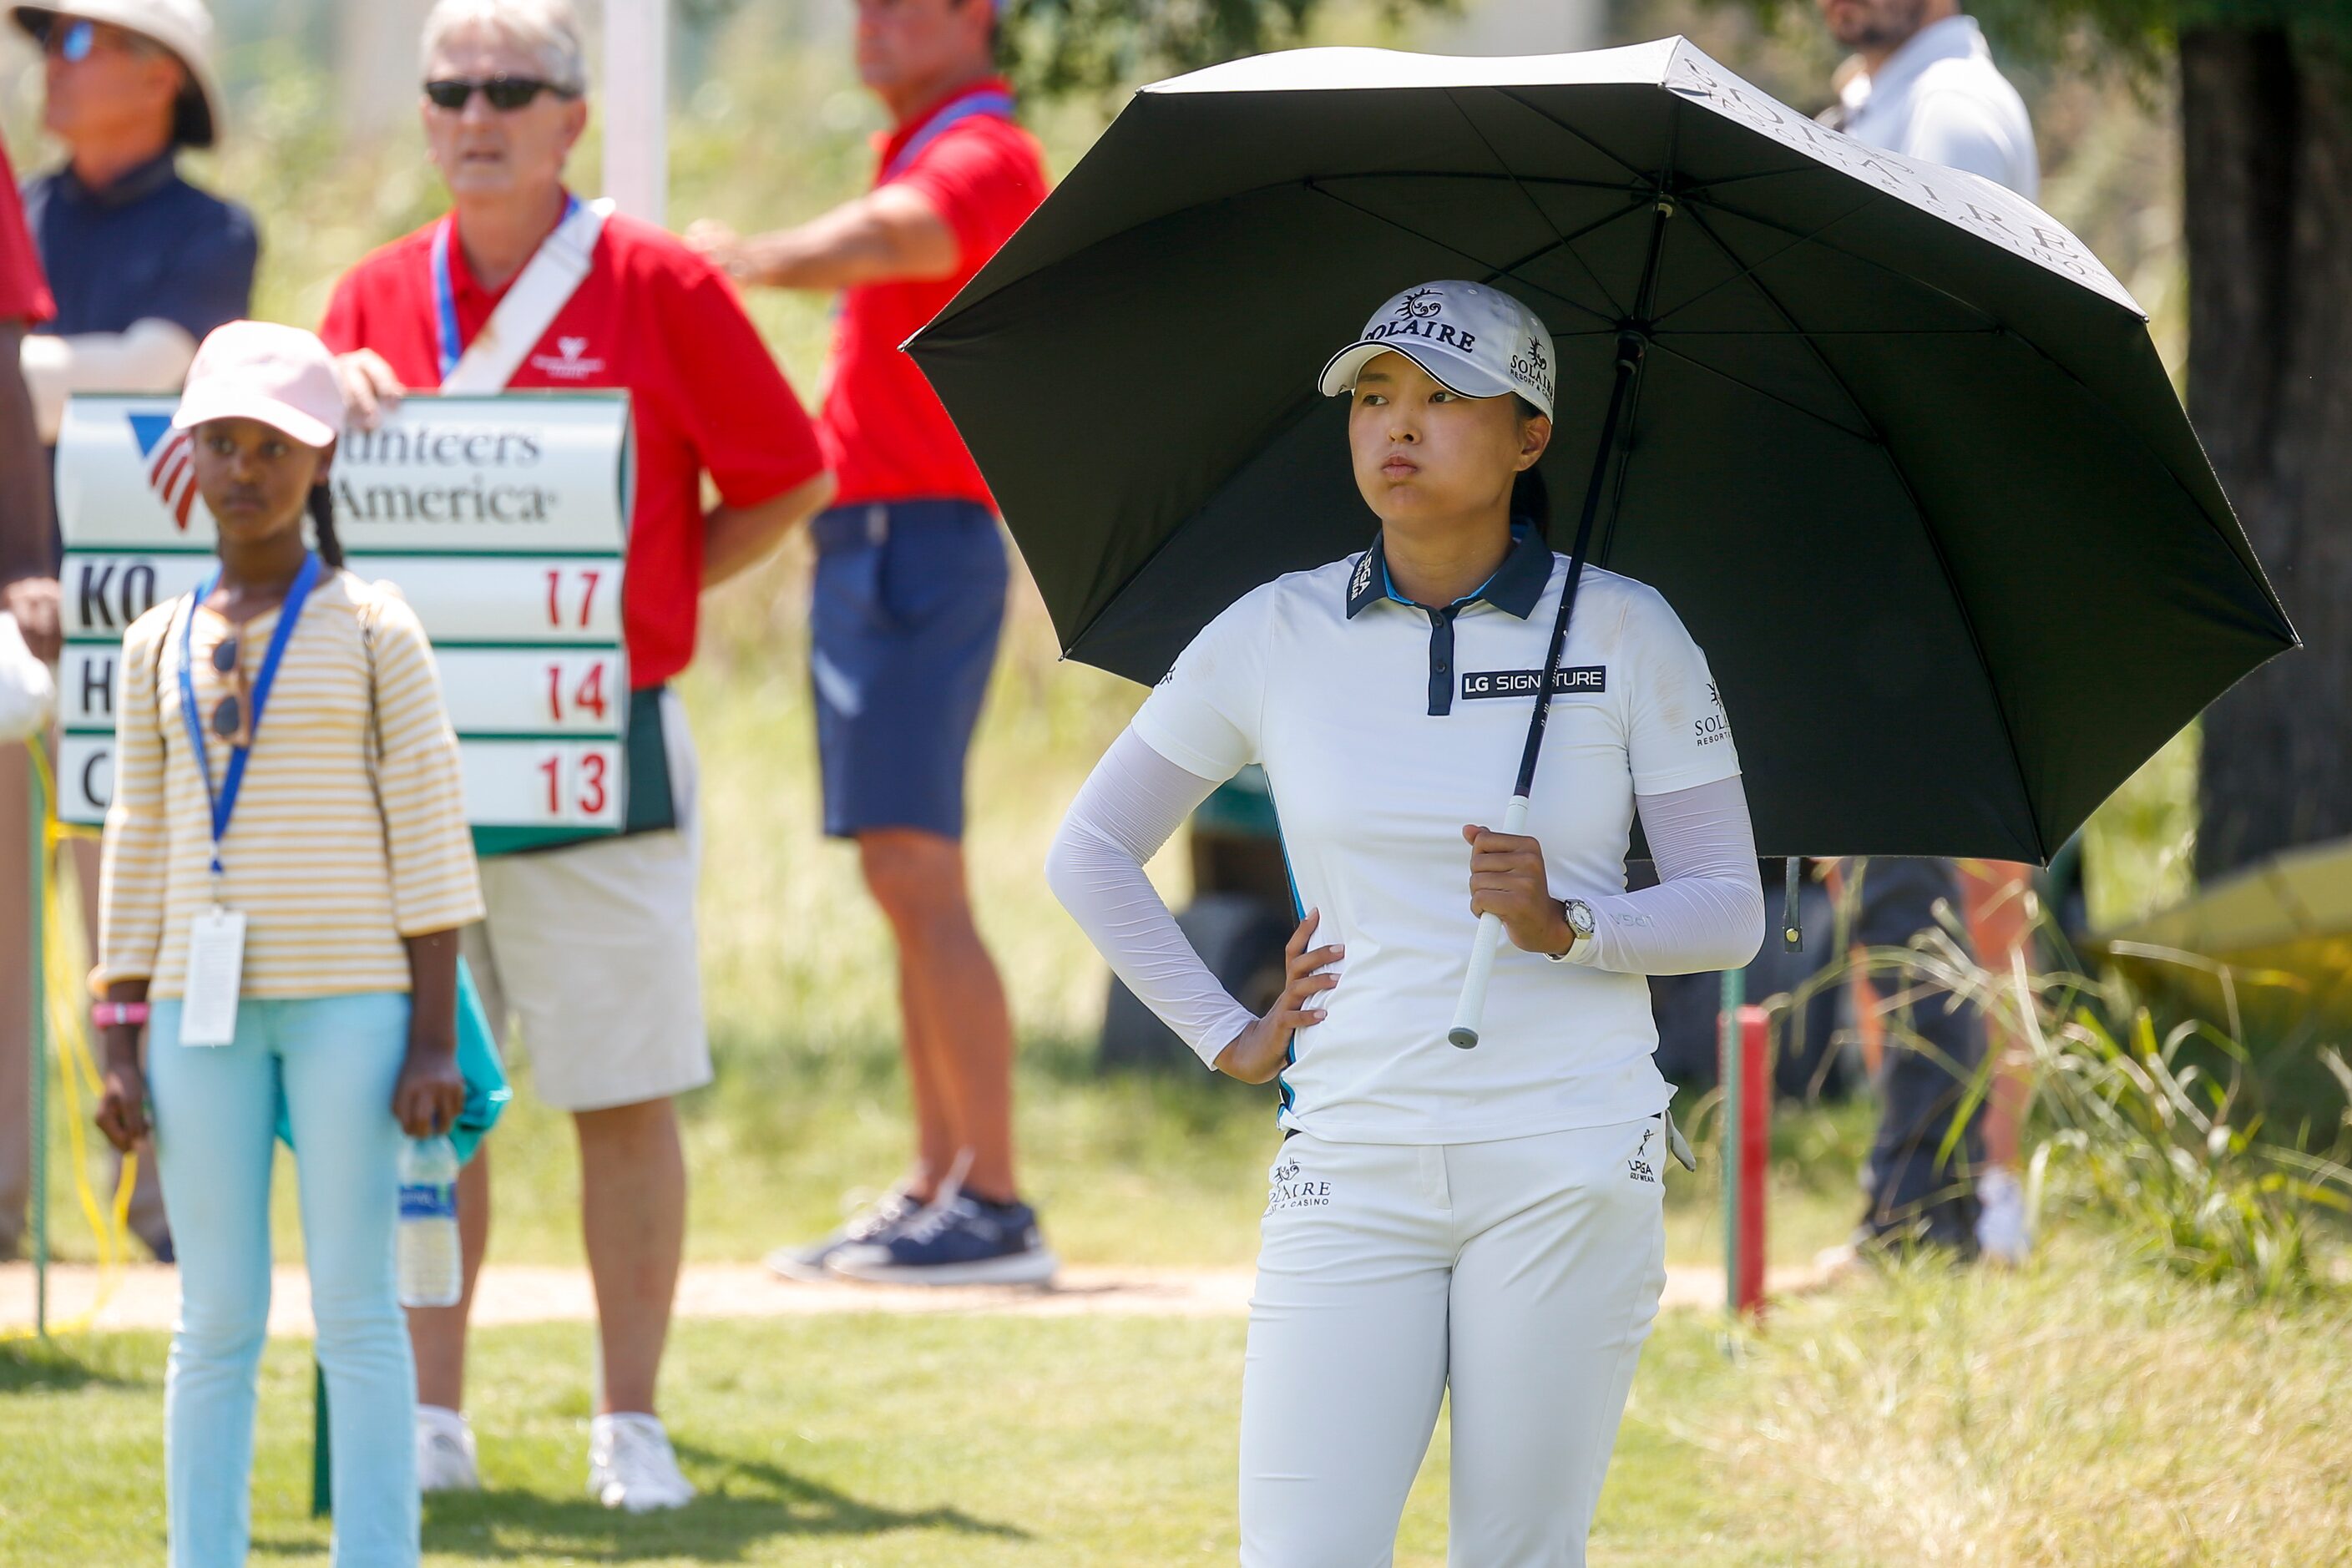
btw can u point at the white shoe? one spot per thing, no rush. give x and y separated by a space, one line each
445 1451
2004 1232
630 1465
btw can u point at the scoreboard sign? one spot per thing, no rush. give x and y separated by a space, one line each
503 520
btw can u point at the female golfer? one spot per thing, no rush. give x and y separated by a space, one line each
286 867
1485 1221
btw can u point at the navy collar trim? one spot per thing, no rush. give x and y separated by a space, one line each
135 184
1516 588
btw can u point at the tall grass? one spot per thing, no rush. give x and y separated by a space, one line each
2157 1132
2079 1411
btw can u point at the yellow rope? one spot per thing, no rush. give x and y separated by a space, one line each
66 976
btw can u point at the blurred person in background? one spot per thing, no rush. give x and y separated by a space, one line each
909 601
1922 83
592 946
143 265
28 590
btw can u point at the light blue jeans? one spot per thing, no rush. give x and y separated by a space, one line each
335 1060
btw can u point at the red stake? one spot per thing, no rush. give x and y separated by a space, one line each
1755 1149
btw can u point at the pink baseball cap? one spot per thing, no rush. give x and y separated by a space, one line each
283 376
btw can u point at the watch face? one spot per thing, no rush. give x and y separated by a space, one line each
1580 917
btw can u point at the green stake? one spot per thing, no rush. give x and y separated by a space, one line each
322 1481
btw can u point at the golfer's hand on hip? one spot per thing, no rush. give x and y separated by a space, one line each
1262 1049
1507 881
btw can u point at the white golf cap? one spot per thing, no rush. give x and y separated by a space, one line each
1478 340
182 27
283 376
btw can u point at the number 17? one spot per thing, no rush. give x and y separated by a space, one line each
589 578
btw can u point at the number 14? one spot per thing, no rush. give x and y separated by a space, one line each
588 697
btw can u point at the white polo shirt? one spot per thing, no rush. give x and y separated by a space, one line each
1383 728
1939 97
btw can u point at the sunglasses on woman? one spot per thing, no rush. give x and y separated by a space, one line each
75 41
506 93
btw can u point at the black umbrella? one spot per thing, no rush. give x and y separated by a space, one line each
1897 448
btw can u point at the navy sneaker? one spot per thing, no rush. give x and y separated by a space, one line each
958 1240
877 1222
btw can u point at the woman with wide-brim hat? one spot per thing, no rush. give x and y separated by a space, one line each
1485 1222
181 28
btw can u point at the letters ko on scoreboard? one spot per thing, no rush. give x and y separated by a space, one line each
503 521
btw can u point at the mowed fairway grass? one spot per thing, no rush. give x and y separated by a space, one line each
854 1441
2083 1411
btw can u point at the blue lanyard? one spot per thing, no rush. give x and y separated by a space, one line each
225 803
989 102
444 297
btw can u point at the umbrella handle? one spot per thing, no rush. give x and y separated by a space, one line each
1471 1010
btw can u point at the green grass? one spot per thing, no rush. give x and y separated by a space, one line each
2078 1412
860 1440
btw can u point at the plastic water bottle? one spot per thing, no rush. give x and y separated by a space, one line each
431 1269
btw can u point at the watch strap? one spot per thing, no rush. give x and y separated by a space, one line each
1579 941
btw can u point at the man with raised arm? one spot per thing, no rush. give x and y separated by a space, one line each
909 599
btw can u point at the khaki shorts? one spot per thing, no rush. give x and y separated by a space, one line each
591 950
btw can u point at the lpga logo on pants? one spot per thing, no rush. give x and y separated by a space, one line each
1290 1190
1640 1167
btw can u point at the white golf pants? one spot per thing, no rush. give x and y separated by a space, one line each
1523 1275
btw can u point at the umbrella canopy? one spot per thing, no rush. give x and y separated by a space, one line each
1900 450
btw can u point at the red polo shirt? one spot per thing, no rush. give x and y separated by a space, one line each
652 318
24 292
885 432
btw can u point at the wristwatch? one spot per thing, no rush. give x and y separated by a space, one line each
1580 926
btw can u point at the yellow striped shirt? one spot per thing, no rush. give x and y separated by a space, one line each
329 881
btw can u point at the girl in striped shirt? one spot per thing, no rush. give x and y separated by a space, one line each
282 754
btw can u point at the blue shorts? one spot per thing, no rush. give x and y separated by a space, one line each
909 605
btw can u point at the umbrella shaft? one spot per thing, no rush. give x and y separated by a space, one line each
1629 360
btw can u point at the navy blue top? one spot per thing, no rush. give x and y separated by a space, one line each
150 244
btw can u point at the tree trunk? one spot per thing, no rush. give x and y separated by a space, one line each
2267 145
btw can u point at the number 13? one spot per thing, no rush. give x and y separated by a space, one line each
588 777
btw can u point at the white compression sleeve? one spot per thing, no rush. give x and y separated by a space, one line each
1132 803
151 355
1707 910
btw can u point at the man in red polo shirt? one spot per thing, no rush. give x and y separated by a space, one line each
910 598
592 947
28 590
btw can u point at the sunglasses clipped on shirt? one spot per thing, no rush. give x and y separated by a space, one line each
506 93
232 721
